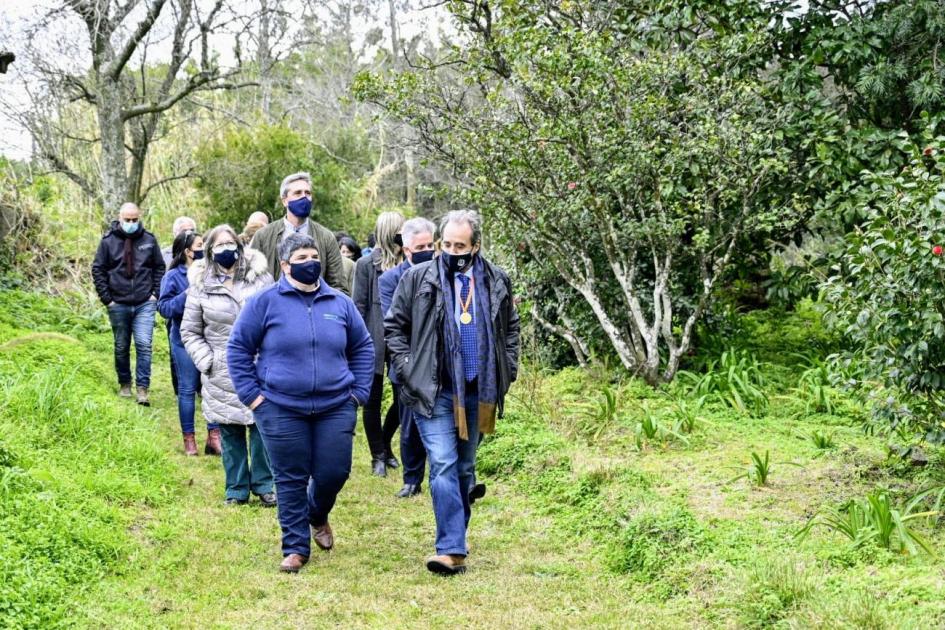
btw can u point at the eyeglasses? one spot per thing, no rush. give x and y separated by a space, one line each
223 247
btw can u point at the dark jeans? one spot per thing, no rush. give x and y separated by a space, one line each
188 378
412 454
452 469
245 469
305 447
167 324
379 438
130 320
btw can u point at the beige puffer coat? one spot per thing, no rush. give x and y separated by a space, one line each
205 329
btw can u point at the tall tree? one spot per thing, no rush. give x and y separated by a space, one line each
140 58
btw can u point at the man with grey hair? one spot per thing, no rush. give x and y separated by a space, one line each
296 196
453 334
127 272
417 238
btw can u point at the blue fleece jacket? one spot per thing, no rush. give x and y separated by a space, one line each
173 298
307 353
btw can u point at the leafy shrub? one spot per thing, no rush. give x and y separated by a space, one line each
240 174
885 295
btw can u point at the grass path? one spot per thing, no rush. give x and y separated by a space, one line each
204 564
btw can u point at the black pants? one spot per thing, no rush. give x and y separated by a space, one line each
378 437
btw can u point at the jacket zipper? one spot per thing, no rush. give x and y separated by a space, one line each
311 323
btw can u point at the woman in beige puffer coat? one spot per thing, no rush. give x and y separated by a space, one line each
219 286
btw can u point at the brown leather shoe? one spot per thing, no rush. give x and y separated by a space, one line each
213 445
323 536
446 564
190 445
143 398
292 563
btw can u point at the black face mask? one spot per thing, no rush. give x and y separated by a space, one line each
399 240
457 263
421 257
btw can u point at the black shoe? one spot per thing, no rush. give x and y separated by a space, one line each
409 490
378 467
391 461
234 501
268 499
477 492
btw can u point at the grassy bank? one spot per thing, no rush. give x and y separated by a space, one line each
609 505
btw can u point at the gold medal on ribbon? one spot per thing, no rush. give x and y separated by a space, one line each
465 318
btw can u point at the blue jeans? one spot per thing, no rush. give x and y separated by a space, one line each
244 470
304 447
133 320
188 381
412 454
452 469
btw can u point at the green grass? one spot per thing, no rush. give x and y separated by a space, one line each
106 524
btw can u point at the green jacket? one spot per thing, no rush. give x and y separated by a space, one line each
267 241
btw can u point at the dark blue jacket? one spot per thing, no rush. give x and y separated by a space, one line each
307 355
170 305
387 284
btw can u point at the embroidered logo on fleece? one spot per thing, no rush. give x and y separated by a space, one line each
331 317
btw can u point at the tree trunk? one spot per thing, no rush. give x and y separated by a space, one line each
112 127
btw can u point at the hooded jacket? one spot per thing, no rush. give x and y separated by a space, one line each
209 314
108 269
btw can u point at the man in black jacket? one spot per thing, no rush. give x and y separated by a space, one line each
453 335
127 271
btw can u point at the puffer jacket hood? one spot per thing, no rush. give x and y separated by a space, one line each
205 329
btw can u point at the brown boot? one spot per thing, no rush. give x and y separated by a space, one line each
213 445
143 396
446 564
190 445
292 563
125 390
323 536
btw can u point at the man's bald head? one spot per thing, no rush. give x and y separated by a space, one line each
258 218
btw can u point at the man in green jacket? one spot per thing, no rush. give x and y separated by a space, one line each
296 195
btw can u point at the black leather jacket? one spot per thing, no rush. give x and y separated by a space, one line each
413 329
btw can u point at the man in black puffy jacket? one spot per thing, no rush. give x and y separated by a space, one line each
127 271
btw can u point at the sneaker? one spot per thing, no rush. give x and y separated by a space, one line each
125 391
268 499
235 501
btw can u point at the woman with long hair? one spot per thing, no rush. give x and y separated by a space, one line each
386 255
219 287
187 249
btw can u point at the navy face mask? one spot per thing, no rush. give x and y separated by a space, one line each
227 258
306 272
457 263
421 257
301 207
399 240
198 254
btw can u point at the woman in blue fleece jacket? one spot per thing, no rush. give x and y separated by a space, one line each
188 247
302 359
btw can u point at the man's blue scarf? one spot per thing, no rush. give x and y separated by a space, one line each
487 379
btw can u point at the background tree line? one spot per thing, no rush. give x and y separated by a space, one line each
645 166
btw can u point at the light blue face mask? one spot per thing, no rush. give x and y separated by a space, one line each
129 227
